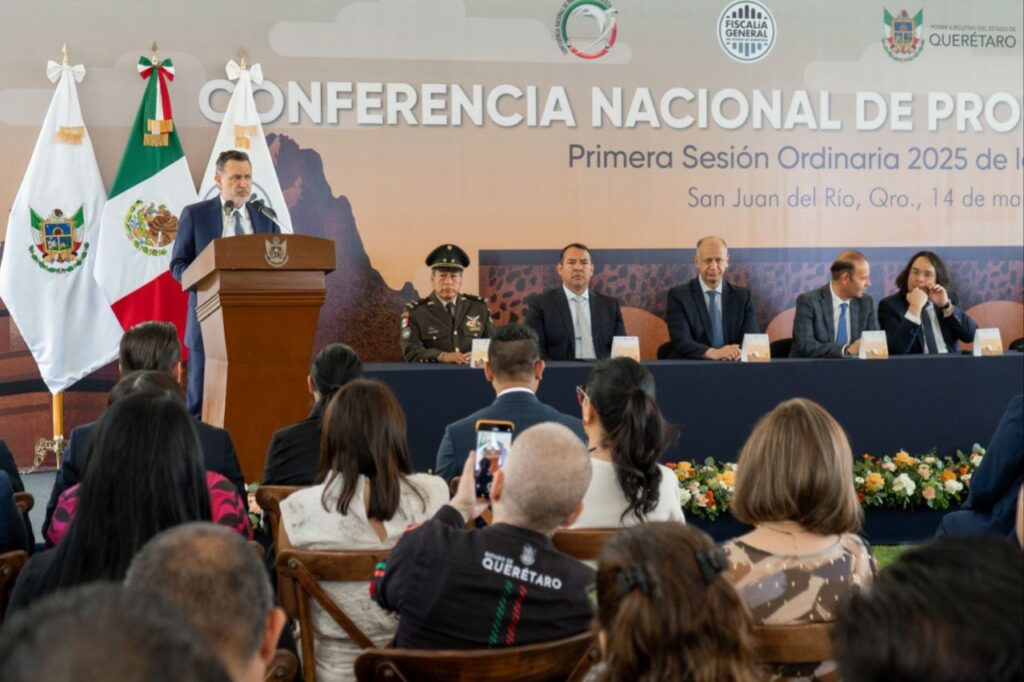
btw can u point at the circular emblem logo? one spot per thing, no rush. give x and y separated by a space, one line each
746 30
587 28
150 228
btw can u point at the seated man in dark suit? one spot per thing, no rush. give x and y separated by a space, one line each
152 346
991 505
830 320
572 322
923 316
514 369
707 317
8 465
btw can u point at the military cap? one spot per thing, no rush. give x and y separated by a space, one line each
448 256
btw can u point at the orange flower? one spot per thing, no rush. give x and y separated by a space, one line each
860 496
928 493
727 477
964 469
874 482
947 475
685 469
869 457
903 459
710 497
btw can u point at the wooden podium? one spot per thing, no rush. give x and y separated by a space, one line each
259 299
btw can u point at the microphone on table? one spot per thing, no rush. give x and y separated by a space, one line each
261 206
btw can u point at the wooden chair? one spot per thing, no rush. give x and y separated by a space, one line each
282 667
24 502
1007 316
11 564
560 660
794 644
584 544
651 330
299 577
781 326
269 498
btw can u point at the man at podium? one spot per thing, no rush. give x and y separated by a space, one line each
228 215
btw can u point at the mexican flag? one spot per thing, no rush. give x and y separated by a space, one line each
46 277
140 220
241 129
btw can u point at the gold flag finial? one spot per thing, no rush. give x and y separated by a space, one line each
242 58
153 58
64 51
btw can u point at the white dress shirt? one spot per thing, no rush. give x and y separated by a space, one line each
229 220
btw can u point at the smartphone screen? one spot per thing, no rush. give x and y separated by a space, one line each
493 441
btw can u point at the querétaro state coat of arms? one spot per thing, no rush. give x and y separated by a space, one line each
58 241
150 228
903 34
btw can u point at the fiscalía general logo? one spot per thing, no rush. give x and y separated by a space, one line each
586 28
150 228
903 34
746 30
58 245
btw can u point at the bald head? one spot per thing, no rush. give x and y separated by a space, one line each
544 478
711 259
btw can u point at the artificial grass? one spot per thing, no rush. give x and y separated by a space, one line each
886 554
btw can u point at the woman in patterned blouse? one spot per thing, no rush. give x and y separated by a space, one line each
794 484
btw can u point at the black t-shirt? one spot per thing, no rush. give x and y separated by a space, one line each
497 586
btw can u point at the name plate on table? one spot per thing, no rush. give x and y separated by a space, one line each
478 353
626 347
988 342
873 346
756 348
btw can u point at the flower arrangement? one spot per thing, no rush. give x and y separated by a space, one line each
902 481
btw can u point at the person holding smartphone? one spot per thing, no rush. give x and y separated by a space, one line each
923 316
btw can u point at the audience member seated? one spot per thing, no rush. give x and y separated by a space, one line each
991 503
8 465
13 535
923 316
947 611
148 346
294 453
105 632
664 612
505 584
627 435
367 497
226 507
794 484
216 578
514 368
126 498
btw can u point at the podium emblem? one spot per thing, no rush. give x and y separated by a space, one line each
276 251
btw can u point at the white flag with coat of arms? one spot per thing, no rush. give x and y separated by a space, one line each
46 277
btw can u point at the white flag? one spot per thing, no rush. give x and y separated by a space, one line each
242 130
46 277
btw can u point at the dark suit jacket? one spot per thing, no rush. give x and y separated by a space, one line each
218 456
294 453
689 322
905 337
548 313
814 330
997 480
200 224
13 534
519 407
10 467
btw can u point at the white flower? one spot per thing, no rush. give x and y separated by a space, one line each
903 484
953 487
976 460
929 460
888 466
684 496
966 478
859 480
694 487
702 501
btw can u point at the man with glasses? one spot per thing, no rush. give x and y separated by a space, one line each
442 326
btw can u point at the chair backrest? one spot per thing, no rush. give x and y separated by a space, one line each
11 564
651 329
1007 316
300 575
24 502
584 544
282 667
556 660
269 498
781 326
790 644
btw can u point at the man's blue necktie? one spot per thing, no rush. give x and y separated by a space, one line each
239 230
717 337
843 334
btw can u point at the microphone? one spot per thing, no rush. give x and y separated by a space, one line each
262 207
229 206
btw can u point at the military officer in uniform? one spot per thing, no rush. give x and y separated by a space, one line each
442 326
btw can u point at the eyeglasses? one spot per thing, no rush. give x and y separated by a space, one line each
581 394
